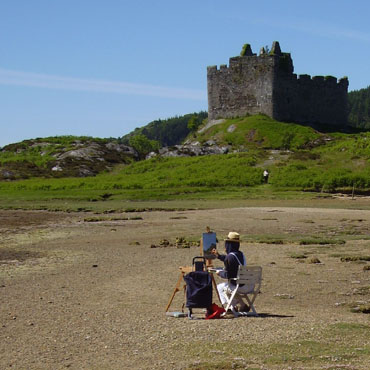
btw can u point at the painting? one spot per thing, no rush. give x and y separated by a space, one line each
209 242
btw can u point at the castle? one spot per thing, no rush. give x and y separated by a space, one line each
266 84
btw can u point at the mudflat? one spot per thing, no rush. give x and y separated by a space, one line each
83 291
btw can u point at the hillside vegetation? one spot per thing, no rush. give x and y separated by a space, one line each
298 158
359 108
170 131
259 132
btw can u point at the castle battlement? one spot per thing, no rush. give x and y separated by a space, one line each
265 83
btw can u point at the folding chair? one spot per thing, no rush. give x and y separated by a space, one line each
250 278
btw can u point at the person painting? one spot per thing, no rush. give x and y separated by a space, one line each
231 260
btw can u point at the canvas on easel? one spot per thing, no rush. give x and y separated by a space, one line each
209 242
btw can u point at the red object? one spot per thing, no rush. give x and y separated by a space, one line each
214 312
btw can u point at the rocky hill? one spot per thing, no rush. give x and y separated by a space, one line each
70 156
65 156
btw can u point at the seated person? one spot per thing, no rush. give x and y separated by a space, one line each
231 260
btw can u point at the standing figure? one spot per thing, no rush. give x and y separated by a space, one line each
266 176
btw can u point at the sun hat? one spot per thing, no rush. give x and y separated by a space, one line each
233 236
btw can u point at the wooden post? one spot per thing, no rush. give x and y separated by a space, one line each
177 288
183 270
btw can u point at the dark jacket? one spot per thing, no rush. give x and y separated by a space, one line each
230 261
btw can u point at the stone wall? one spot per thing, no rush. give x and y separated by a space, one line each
243 87
266 84
303 99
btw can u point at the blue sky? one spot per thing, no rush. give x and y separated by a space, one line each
103 67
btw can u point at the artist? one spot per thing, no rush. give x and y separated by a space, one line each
231 260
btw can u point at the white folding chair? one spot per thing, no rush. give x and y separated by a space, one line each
248 284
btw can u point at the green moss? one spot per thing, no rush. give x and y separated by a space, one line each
298 256
321 241
245 49
362 308
355 258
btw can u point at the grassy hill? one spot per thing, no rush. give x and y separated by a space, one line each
298 158
258 132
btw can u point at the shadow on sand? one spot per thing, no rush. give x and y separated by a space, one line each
267 315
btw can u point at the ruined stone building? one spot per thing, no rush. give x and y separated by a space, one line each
266 84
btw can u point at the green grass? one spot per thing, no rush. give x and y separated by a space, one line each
314 162
81 199
189 174
169 199
342 343
260 131
180 173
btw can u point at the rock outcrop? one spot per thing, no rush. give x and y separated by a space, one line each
78 158
190 150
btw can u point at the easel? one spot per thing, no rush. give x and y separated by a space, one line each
185 270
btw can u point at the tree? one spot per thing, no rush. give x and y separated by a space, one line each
143 145
167 132
359 108
194 123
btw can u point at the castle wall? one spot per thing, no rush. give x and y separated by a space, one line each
266 84
245 87
303 99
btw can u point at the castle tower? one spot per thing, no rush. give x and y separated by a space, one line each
266 84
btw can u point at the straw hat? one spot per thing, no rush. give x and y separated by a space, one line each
233 236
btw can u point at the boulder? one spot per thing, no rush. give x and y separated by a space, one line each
6 174
57 168
88 153
231 128
121 148
190 150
